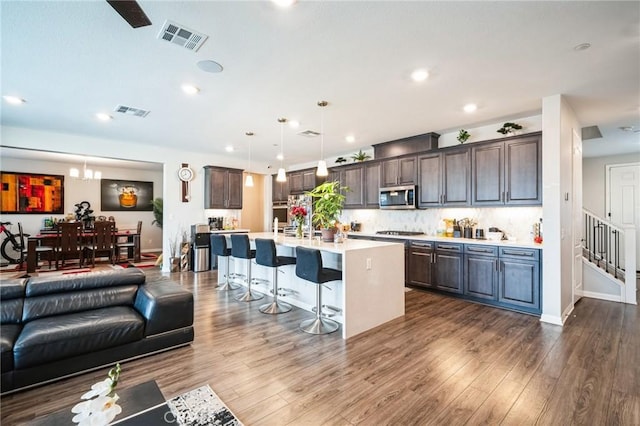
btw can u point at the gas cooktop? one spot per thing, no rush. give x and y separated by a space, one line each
407 233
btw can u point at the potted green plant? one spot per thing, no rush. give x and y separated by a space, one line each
463 136
327 207
509 128
360 156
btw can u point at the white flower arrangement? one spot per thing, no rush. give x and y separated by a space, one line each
99 406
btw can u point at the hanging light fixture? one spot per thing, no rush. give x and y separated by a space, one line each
282 175
322 165
87 174
249 179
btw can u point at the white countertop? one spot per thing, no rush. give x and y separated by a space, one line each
340 248
231 231
501 243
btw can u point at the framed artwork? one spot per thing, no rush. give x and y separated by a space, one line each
125 195
26 193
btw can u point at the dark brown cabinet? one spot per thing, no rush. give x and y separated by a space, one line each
301 181
279 190
223 188
362 179
420 264
508 172
445 178
398 171
448 267
353 178
371 184
481 271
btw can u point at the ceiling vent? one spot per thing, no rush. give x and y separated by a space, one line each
137 112
309 133
178 34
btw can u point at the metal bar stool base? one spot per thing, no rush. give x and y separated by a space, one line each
275 307
319 326
249 296
228 287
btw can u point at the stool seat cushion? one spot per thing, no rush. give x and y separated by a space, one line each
309 267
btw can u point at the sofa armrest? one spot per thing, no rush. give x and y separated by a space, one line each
165 305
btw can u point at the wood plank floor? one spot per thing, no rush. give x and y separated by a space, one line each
446 362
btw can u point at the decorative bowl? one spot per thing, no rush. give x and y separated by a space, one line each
494 236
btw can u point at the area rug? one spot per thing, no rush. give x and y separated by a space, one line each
201 407
147 260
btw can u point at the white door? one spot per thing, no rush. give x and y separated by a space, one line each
576 165
623 200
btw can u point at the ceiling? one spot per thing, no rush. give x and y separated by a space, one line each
71 60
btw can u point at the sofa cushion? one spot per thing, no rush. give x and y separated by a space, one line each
11 297
8 335
165 305
63 336
77 301
44 285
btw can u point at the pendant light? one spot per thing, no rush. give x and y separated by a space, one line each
249 179
282 175
87 174
322 165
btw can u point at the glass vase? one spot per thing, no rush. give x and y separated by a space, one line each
299 233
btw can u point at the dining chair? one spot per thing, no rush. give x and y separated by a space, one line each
69 242
39 249
102 242
132 245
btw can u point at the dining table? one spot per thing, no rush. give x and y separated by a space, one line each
48 237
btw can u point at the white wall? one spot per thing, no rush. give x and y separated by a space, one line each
594 179
76 191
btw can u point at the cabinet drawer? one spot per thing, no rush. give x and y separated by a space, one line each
481 250
421 244
520 253
453 248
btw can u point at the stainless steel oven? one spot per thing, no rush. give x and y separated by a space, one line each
281 212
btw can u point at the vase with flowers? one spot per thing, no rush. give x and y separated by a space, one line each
299 213
100 403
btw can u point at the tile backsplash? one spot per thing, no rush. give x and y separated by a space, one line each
514 221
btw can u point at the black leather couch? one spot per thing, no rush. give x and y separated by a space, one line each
54 327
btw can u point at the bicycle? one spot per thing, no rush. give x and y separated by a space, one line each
11 249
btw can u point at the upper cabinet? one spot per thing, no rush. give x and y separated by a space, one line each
363 181
223 188
508 172
371 184
301 181
398 171
279 190
445 178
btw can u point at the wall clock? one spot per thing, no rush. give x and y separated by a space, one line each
185 174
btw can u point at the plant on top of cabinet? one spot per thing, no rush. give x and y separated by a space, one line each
327 207
509 128
463 136
360 156
341 160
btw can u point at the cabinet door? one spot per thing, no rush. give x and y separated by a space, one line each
372 184
407 171
430 186
352 177
523 171
280 190
449 267
295 182
215 189
456 177
308 179
487 164
481 276
420 266
519 284
390 171
234 189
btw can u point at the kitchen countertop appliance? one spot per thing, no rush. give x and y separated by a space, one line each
398 197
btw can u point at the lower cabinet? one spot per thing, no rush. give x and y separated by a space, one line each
420 264
519 282
481 271
448 267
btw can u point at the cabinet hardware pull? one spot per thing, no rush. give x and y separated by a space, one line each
447 247
420 245
517 253
478 250
502 200
415 253
497 266
506 200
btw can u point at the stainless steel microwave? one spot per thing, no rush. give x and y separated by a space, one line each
398 197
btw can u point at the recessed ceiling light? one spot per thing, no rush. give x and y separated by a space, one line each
283 3
470 107
15 100
294 124
350 138
190 89
209 66
420 75
103 117
280 157
582 46
229 148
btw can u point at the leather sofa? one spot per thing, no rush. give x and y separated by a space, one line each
54 327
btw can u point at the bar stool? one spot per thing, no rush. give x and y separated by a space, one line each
266 256
241 249
219 248
309 267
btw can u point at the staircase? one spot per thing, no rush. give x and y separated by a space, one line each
612 250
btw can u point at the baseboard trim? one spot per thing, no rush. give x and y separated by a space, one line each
602 296
551 319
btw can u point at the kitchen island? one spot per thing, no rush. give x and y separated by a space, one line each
371 292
